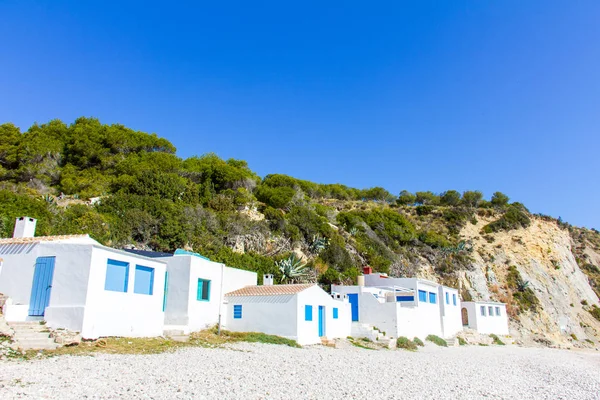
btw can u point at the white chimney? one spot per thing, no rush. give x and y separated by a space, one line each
268 280
24 227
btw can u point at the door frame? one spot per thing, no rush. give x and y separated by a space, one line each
41 286
321 319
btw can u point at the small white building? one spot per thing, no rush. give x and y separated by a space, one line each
485 317
302 312
196 288
407 307
74 282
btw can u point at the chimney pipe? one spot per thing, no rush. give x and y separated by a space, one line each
268 280
24 227
367 270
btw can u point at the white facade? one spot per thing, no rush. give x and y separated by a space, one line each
74 294
195 291
485 317
407 307
305 316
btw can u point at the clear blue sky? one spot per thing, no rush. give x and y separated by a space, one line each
422 95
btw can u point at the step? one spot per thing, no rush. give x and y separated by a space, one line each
30 334
35 344
173 332
179 338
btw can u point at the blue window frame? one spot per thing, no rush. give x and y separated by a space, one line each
491 311
237 311
203 292
423 296
308 314
432 298
482 308
498 311
335 313
447 298
144 280
454 299
117 276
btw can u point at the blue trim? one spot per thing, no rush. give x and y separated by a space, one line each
423 296
41 286
203 291
181 252
497 311
165 290
144 280
335 313
353 299
454 298
447 298
308 313
237 311
117 276
433 298
405 298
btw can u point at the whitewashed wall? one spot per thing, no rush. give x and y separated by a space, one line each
273 315
308 331
128 314
451 317
487 324
178 292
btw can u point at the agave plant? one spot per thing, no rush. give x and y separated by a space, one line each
292 269
318 244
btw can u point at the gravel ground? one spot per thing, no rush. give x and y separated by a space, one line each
257 371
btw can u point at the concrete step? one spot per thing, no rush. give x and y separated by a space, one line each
30 334
179 338
26 324
35 344
173 332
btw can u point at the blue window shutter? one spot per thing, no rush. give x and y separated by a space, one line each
454 299
335 313
447 298
237 311
423 296
498 311
117 276
405 298
308 313
432 298
144 280
482 311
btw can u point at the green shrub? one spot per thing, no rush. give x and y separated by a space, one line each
595 311
406 344
418 342
496 340
515 217
437 340
424 210
461 341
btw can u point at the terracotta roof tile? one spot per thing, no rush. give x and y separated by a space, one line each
37 239
273 290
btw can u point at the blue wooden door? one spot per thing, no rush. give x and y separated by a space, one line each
42 285
353 298
321 321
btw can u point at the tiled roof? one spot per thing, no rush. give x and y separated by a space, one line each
37 239
273 290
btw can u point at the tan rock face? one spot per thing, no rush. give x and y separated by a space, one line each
542 254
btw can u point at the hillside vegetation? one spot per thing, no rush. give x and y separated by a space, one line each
146 197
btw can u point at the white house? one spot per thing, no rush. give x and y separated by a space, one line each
485 317
408 307
302 312
73 282
195 290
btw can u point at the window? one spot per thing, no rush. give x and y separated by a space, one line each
454 299
483 311
203 293
497 311
491 311
335 313
447 298
144 280
308 313
117 276
405 298
432 298
423 296
237 311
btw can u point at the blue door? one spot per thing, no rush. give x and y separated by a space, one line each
321 321
42 285
353 298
